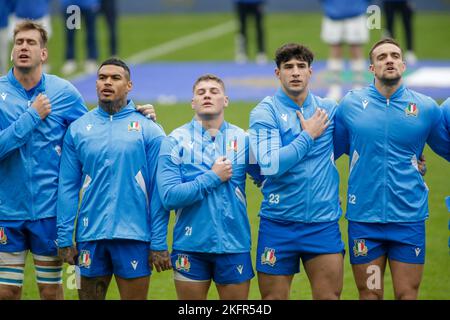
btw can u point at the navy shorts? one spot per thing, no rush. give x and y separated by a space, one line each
282 244
403 242
224 268
38 236
127 259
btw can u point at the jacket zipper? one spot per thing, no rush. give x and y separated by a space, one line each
30 177
308 196
385 160
110 174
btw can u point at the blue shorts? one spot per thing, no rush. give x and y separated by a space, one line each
125 258
38 236
403 242
224 268
281 244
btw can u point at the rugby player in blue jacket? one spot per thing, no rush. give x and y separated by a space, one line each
201 174
446 118
291 134
110 155
35 111
383 128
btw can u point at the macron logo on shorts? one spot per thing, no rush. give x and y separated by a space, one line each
417 250
134 264
240 268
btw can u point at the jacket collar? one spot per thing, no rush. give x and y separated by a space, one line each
287 101
396 95
40 87
195 126
125 111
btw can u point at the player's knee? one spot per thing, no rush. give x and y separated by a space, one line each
275 295
49 277
11 280
334 294
407 294
371 294
50 292
10 292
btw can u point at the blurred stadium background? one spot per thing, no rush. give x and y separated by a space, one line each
171 42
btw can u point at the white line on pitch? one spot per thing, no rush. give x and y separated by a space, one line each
174 45
183 42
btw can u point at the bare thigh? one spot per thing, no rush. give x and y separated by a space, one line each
369 278
274 287
238 291
406 278
192 290
325 273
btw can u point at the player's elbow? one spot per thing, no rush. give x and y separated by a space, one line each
170 200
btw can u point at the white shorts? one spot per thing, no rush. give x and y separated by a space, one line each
350 31
44 21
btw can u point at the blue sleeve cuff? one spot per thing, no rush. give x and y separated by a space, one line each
34 114
211 179
65 243
158 247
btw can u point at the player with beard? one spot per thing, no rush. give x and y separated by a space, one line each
110 155
383 128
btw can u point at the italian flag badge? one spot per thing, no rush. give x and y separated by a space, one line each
134 126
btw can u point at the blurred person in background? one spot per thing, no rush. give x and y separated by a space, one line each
446 118
35 10
89 10
109 9
405 8
344 22
244 9
6 7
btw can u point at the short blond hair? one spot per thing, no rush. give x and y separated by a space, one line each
209 77
31 25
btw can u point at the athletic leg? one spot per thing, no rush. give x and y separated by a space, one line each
130 260
235 291
406 257
94 288
241 38
188 289
12 266
406 278
274 287
259 20
96 269
49 277
369 279
407 19
42 235
325 273
389 13
277 258
133 289
368 256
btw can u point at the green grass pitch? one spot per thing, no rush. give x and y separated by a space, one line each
138 33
